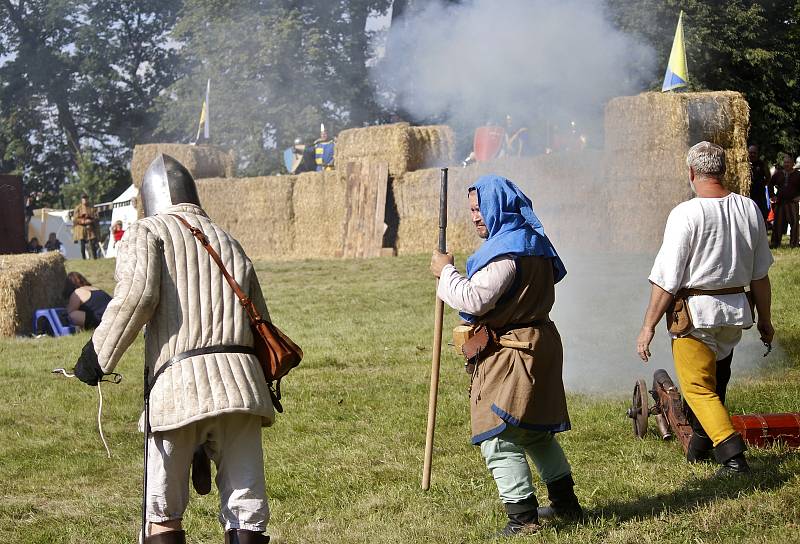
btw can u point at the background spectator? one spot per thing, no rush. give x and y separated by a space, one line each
117 231
87 303
34 246
53 243
84 226
787 193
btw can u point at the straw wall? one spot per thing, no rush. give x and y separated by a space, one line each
28 282
319 208
258 212
567 191
403 147
203 161
647 137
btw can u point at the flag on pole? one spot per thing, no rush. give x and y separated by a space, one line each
203 126
677 76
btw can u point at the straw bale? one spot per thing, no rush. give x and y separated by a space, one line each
258 212
647 137
403 147
666 123
203 161
28 282
319 208
567 191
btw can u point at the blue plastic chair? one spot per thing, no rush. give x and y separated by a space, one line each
53 321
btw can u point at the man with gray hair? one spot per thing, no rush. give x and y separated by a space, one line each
715 246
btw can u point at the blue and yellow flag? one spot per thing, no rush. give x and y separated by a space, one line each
677 76
203 126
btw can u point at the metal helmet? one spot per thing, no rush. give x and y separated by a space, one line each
166 183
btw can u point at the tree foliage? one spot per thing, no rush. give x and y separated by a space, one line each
278 69
747 46
78 80
83 81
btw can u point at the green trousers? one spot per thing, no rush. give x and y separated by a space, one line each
505 459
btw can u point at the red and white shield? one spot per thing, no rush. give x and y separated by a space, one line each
488 142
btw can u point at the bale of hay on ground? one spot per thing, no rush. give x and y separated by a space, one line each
647 137
258 212
203 161
28 282
403 147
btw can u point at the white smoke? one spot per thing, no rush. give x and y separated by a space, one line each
483 59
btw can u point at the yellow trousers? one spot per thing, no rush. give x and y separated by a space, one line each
696 366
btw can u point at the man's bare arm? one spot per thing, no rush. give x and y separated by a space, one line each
659 301
762 295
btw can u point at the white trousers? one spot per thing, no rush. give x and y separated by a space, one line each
233 442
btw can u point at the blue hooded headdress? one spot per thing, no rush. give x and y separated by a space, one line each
513 228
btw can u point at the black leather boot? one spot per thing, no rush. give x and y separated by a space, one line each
523 518
170 537
240 536
201 471
730 452
700 446
563 501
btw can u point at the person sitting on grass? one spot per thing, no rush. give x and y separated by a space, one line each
53 243
86 303
34 246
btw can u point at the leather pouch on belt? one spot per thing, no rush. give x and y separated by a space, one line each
473 347
679 321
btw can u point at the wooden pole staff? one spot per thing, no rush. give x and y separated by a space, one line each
437 341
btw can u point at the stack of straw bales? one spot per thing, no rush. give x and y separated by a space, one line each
279 217
319 207
403 147
203 161
28 282
258 212
647 137
567 191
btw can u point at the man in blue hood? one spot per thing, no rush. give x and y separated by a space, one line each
517 400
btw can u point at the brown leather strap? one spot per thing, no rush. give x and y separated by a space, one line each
245 301
725 291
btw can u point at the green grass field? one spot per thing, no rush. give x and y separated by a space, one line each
344 461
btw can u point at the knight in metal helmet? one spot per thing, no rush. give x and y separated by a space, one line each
166 183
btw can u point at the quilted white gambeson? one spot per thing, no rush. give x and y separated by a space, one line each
167 281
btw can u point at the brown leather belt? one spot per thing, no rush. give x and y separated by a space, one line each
529 325
224 348
696 292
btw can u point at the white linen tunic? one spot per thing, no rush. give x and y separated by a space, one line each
714 243
479 294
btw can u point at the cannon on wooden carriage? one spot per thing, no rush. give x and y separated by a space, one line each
668 409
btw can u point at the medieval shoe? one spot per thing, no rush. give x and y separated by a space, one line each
201 471
564 503
730 452
240 536
699 449
169 537
523 518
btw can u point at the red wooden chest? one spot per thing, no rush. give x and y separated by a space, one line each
764 429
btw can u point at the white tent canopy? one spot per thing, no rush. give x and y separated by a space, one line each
45 221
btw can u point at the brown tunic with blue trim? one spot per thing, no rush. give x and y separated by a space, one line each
517 387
